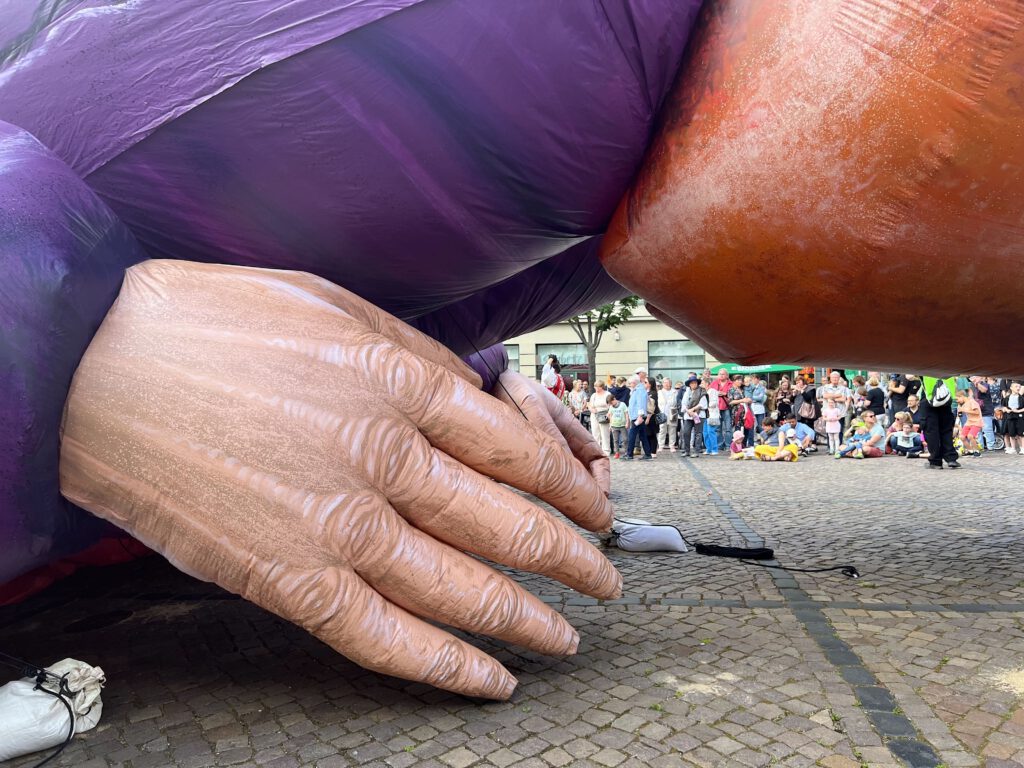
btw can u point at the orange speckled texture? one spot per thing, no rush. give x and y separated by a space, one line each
839 181
275 434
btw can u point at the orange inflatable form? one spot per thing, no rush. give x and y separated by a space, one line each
839 181
278 435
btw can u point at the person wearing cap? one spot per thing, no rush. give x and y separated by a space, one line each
693 406
638 419
804 434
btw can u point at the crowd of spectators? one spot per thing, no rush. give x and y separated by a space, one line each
866 417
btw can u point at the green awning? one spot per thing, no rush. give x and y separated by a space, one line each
735 368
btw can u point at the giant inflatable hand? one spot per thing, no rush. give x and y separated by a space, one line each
549 414
276 434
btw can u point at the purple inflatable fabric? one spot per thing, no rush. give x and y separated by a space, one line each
62 256
417 157
489 363
453 161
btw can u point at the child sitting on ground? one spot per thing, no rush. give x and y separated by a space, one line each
906 442
736 449
855 437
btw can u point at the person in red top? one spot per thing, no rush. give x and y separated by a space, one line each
721 385
551 377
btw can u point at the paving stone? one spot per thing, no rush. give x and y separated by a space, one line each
704 661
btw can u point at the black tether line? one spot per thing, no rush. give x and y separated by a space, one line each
480 354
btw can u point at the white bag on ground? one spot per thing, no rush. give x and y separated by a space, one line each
32 720
634 535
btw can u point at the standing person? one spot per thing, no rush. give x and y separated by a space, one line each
694 411
551 377
653 411
585 412
900 390
970 410
758 395
742 416
637 420
618 422
712 423
784 397
577 399
805 405
833 426
836 393
987 400
620 391
600 403
667 405
937 409
719 388
1013 419
876 400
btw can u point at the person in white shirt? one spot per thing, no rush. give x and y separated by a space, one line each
599 424
667 405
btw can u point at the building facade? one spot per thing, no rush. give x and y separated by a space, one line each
640 341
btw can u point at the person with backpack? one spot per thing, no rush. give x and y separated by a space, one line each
742 415
937 406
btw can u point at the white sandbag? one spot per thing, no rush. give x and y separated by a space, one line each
33 720
634 535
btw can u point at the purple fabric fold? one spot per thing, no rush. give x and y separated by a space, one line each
62 256
453 161
489 363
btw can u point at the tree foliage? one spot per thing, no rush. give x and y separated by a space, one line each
590 326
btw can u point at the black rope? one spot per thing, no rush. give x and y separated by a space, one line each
63 693
846 570
752 556
71 715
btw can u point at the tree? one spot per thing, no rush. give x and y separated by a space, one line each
591 326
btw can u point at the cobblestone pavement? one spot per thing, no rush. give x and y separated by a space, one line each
703 662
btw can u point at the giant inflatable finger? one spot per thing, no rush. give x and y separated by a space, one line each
839 181
277 435
549 414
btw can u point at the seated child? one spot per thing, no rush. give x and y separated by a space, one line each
736 449
855 437
907 442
